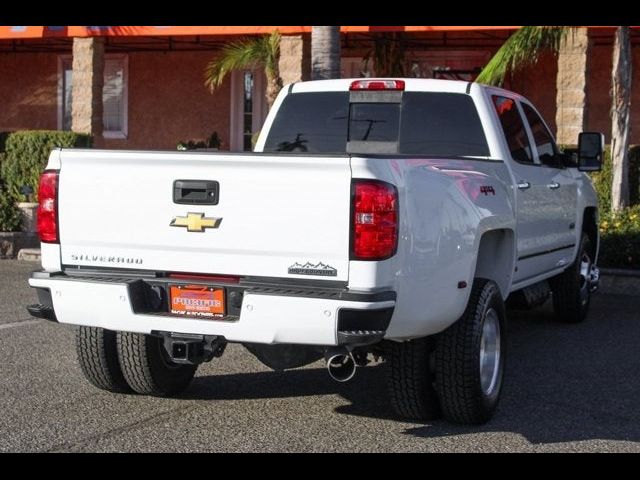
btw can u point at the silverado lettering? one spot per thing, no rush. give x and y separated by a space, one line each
103 259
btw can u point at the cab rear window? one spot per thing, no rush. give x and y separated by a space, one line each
314 122
424 123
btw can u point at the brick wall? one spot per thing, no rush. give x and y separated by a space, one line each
28 91
168 101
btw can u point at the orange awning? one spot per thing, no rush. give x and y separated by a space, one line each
17 32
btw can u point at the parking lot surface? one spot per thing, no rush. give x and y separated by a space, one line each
568 388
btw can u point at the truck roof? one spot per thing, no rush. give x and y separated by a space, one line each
411 84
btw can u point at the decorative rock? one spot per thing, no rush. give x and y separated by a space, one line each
12 242
29 254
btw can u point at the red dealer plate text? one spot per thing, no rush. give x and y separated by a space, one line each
197 301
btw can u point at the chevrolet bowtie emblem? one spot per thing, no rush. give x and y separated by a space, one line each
195 222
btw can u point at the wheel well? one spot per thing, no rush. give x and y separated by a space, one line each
495 258
590 227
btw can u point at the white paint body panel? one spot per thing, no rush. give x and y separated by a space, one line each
275 211
263 319
278 210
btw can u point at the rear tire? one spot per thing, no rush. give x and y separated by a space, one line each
98 357
147 367
571 289
469 358
410 381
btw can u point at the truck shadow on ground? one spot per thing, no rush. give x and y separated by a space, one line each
563 383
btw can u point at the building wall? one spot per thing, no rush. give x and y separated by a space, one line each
167 99
538 84
168 102
28 91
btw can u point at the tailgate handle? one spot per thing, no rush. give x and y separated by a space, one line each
196 192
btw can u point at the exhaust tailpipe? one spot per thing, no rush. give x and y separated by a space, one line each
340 364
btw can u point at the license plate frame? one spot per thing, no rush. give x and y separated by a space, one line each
197 301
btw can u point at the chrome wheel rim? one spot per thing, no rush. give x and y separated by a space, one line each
585 278
490 352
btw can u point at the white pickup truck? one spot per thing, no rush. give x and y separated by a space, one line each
384 219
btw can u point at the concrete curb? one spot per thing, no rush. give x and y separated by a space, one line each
622 272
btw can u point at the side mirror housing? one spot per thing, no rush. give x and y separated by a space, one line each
590 151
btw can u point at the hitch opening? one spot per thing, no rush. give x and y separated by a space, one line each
187 349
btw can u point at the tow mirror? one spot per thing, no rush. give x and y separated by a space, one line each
590 151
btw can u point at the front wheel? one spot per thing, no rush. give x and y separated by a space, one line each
470 357
572 288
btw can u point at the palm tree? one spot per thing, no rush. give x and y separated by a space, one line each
620 109
325 53
388 55
249 52
523 48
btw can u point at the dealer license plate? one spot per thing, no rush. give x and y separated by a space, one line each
197 301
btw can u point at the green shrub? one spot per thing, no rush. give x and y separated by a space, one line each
602 180
26 155
213 141
620 239
3 140
10 215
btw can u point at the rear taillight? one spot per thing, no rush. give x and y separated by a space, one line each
48 207
377 85
374 227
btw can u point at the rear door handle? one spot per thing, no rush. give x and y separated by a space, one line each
196 192
554 185
524 185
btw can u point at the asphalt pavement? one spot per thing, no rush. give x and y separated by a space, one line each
568 388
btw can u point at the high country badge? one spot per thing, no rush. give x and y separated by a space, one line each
320 269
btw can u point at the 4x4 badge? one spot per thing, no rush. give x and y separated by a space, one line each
195 222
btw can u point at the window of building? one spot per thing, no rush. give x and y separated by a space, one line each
513 128
247 111
114 95
248 108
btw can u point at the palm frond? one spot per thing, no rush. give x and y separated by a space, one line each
249 52
522 48
271 45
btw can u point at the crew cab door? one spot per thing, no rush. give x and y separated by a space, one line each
537 211
560 182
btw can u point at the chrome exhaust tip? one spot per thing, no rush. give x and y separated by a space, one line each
341 365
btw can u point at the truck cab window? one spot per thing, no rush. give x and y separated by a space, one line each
440 123
374 122
314 122
546 146
513 128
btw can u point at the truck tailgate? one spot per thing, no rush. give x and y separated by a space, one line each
276 216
